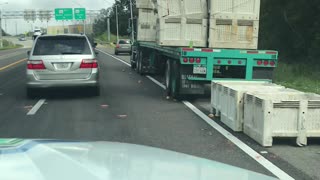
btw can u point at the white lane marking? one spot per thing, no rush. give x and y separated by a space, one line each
115 57
249 151
245 148
36 107
157 82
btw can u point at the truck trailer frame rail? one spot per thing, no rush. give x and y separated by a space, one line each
186 70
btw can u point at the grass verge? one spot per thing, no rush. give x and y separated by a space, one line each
303 77
11 47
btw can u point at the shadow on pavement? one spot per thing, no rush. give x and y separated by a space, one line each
65 93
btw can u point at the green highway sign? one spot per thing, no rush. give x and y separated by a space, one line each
79 13
63 14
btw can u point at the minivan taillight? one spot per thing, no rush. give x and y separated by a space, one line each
35 65
118 46
89 63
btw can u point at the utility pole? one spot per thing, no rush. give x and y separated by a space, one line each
108 22
16 28
1 44
5 25
132 29
117 23
84 26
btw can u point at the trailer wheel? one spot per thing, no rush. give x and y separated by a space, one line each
133 60
140 66
168 77
176 80
139 53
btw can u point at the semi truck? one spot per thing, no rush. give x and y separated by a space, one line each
186 69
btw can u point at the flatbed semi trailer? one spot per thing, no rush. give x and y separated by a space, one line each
187 70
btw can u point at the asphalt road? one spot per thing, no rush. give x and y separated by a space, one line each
131 109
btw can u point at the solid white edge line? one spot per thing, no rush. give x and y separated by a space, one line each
36 107
115 57
245 148
248 150
157 82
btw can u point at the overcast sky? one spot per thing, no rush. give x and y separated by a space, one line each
22 26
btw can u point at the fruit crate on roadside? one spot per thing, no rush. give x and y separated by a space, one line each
232 105
281 114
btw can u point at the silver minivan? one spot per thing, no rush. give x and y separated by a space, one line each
62 61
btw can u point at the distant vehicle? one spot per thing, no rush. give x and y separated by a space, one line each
36 32
22 38
62 61
123 46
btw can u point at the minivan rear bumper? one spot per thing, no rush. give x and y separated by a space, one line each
32 82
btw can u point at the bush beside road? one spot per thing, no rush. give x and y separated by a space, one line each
9 45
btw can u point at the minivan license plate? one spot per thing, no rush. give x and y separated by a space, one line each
62 65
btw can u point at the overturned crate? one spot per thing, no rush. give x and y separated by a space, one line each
281 114
232 105
217 92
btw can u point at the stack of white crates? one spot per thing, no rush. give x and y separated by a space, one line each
281 114
264 110
147 21
182 23
234 24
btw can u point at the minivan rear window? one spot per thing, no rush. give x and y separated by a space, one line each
61 45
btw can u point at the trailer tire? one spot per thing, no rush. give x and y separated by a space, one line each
137 62
168 75
139 65
133 60
176 80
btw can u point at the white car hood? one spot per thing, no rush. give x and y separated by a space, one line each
59 160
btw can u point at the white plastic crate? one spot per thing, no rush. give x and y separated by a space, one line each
145 4
281 115
234 24
233 33
232 106
182 32
197 9
235 9
216 92
147 23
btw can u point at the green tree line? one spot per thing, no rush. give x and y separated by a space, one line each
100 25
290 26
